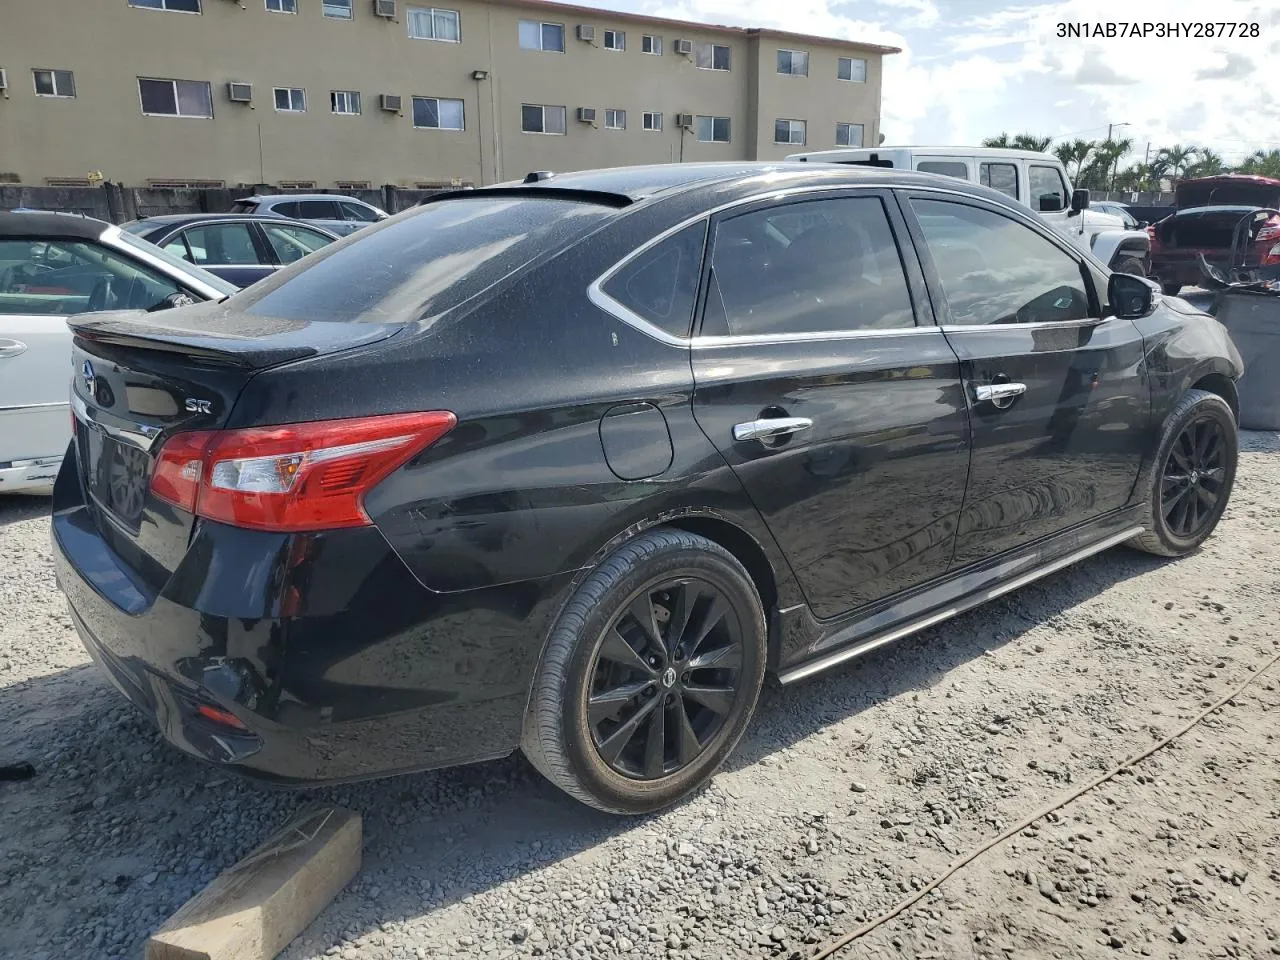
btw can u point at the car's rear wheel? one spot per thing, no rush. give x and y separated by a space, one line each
650 676
1170 289
1188 482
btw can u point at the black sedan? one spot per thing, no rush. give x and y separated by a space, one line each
570 465
238 248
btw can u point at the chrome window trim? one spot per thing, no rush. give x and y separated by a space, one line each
34 406
596 294
1035 325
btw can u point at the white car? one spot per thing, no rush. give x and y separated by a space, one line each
1036 180
53 265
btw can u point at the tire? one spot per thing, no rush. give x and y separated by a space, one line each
1162 533
1130 265
568 732
1170 289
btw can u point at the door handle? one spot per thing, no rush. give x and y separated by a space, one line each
771 427
11 348
995 392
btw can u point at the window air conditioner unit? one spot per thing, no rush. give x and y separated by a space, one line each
684 120
684 46
586 32
384 8
586 114
240 92
391 102
4 79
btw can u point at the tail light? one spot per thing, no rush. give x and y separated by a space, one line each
1272 256
291 477
1270 231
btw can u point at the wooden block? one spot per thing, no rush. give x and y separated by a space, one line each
253 910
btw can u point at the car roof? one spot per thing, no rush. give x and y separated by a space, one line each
277 197
625 186
953 150
51 225
173 220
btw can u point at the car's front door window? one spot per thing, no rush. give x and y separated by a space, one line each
291 242
318 210
358 212
60 278
994 269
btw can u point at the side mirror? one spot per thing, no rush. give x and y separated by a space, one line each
1079 200
1131 297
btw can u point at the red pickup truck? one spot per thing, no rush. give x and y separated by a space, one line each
1208 211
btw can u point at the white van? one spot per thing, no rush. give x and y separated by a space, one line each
1037 180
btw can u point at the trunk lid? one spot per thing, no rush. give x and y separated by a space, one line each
1228 190
138 378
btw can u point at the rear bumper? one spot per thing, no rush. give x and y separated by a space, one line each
368 674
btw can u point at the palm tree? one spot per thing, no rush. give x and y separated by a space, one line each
1263 163
1076 152
1021 141
1176 159
1208 164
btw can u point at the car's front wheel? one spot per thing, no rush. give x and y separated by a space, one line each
650 675
1189 480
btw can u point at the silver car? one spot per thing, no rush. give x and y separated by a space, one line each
340 215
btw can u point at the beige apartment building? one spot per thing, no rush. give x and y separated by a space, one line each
355 93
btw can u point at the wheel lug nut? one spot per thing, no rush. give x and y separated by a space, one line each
671 698
684 677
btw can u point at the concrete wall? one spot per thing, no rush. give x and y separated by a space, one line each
108 44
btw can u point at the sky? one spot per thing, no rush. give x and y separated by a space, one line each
973 68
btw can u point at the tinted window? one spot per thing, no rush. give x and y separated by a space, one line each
661 284
318 210
948 168
819 265
423 261
287 209
1000 176
1048 192
357 211
996 270
292 242
221 243
61 278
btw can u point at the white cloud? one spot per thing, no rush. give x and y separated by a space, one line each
974 68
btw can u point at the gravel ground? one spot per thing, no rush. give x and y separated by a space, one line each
849 792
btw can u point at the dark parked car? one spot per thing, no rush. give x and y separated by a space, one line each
568 466
1209 210
240 249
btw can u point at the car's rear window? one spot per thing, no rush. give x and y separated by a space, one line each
424 261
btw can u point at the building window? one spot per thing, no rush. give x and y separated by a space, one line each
540 118
713 129
788 131
178 6
282 6
337 9
615 119
434 113
853 69
351 184
615 40
652 122
651 44
711 56
428 23
291 99
54 83
848 134
175 98
794 63
542 36
345 102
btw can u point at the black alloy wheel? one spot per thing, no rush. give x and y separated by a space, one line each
664 678
1194 477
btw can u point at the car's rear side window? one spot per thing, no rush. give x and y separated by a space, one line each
424 261
814 266
947 168
661 284
287 209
